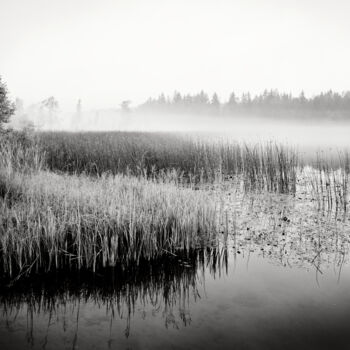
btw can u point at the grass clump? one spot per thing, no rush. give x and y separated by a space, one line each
329 182
271 167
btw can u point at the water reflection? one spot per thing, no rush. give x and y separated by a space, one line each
164 287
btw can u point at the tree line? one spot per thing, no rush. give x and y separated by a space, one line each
272 103
269 102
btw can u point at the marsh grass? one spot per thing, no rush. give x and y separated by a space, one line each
76 221
75 201
271 167
329 182
50 221
95 153
18 155
196 159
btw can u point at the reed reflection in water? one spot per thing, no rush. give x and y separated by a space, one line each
163 288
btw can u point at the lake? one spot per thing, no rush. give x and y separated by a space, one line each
278 279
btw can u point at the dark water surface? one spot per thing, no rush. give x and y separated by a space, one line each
255 304
281 281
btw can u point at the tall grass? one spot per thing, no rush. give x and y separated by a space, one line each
88 200
329 182
264 166
270 166
50 221
19 154
135 152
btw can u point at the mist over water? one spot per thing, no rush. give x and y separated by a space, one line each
307 135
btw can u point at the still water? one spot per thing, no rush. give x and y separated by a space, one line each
280 280
254 304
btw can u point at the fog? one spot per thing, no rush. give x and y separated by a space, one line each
307 134
109 51
106 51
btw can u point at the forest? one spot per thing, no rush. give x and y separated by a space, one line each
271 103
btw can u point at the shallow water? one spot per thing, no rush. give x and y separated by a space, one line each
280 281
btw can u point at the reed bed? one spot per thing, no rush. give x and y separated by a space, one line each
75 201
61 220
198 159
50 221
95 153
18 155
329 182
271 167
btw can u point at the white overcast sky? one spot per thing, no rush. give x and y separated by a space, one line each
104 51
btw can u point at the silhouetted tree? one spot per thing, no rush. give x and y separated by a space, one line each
246 100
232 101
177 98
50 105
125 106
302 99
7 108
231 104
161 99
215 103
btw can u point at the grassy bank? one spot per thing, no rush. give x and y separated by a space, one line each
53 221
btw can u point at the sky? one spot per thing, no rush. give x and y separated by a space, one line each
107 51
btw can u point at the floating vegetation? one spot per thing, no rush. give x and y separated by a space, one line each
288 230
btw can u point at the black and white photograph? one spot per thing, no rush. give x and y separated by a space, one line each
175 174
